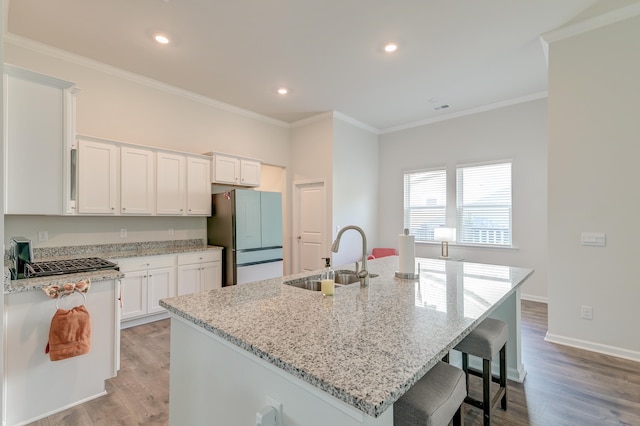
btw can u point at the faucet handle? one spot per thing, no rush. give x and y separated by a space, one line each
357 267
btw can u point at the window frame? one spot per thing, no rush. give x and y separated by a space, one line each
452 215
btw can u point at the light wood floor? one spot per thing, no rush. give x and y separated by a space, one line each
564 386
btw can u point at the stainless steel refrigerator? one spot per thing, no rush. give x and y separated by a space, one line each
248 224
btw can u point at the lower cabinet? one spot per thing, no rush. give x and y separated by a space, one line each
149 279
146 281
199 272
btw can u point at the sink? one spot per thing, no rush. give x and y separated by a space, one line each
308 283
346 277
343 277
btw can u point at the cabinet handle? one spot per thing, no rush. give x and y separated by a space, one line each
113 208
181 210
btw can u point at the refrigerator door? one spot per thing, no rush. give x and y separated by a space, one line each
247 219
271 221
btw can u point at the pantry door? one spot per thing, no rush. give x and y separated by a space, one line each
310 225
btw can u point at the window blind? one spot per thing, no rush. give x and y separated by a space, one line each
425 202
483 195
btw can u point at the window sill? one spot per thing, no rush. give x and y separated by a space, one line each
471 246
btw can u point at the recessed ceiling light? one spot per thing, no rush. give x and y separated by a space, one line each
161 38
283 90
390 47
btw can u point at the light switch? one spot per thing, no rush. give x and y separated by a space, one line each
597 239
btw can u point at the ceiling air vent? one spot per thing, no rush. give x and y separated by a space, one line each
438 108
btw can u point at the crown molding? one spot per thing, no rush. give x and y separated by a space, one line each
592 24
64 55
350 120
470 111
313 119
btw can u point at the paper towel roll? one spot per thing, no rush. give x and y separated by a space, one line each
407 253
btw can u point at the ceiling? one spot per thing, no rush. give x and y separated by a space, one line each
329 53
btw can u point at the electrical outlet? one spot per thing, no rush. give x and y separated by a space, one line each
123 233
587 312
171 231
43 236
278 406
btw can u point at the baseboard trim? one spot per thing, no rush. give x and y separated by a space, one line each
593 347
533 298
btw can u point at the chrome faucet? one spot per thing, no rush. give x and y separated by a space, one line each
363 274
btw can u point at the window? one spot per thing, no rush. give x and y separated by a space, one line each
480 202
425 202
483 201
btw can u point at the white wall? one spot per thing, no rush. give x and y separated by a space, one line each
517 132
120 106
594 147
311 159
355 189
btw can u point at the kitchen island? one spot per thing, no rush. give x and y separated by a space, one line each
328 360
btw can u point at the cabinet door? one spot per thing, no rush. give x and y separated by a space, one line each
188 279
134 294
137 194
248 221
249 172
161 284
226 169
97 178
35 145
171 184
198 186
211 276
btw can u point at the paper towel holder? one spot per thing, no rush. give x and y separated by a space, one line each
408 275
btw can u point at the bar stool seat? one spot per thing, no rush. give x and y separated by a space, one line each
486 341
434 400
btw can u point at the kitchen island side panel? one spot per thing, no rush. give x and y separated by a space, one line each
230 389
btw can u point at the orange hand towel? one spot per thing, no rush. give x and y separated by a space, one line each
69 334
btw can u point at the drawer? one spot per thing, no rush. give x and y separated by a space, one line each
146 262
199 257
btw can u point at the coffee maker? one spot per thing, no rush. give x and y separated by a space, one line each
21 253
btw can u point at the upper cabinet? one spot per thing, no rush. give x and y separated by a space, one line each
98 178
39 115
232 170
138 176
123 179
198 186
171 183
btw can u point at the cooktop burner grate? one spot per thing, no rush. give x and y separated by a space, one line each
68 266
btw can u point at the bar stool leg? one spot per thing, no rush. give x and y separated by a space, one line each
457 418
503 376
465 368
486 391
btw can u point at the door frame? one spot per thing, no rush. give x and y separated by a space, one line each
297 186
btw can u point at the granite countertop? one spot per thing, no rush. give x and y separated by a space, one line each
364 346
105 251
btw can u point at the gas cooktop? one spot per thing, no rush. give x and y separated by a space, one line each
67 266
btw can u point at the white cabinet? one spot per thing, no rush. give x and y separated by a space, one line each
146 281
235 170
39 116
137 177
98 178
199 271
225 170
249 172
198 186
171 184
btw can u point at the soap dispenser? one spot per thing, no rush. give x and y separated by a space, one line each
327 283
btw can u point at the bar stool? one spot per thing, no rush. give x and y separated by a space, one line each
485 341
434 400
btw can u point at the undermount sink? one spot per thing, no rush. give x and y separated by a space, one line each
343 277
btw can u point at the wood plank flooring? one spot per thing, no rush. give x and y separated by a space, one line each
564 386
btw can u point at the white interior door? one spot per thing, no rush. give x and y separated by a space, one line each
310 220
